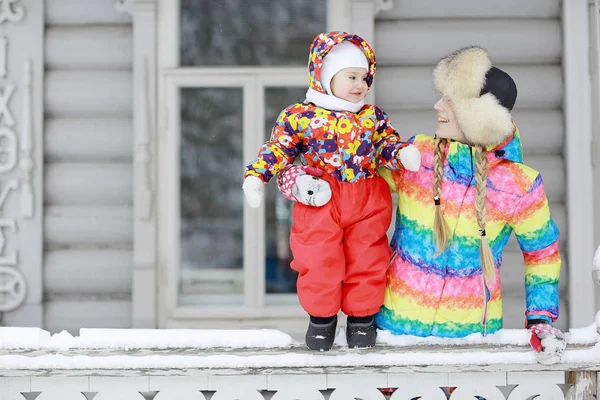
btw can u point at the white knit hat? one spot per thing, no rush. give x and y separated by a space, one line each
342 55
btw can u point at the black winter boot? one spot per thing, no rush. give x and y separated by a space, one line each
321 333
361 332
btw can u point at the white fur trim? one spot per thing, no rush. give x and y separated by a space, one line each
410 157
462 74
483 120
460 77
330 102
342 55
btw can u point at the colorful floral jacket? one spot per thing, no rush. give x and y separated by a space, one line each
349 146
445 295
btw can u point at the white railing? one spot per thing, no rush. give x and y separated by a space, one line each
297 384
260 365
155 364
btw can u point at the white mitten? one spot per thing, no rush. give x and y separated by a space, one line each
410 157
254 189
302 184
548 342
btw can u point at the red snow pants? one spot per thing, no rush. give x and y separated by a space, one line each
341 250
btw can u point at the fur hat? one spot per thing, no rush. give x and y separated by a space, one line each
481 94
342 55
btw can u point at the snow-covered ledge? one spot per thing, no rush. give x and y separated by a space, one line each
265 364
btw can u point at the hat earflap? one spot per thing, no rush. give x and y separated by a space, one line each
483 120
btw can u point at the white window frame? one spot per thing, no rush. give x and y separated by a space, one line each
253 81
351 15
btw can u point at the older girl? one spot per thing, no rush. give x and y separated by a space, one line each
457 212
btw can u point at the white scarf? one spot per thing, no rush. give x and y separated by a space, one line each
332 103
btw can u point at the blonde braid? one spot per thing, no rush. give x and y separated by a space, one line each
440 230
485 252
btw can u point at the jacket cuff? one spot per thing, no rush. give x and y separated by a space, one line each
537 318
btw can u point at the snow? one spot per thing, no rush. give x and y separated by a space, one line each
265 349
290 360
35 338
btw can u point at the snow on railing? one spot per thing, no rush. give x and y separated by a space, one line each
104 364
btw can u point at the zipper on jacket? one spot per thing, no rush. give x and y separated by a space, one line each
483 285
471 161
485 304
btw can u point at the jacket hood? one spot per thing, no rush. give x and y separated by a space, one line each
461 157
510 149
323 43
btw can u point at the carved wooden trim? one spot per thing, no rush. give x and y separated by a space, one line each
383 5
27 164
3 56
142 154
9 11
125 6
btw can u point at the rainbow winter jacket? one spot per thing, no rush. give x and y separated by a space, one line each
445 296
349 146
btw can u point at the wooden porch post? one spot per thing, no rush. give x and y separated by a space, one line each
144 290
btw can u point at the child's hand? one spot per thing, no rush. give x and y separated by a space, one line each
254 189
302 184
410 157
548 342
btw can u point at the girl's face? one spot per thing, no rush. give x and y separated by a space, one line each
447 125
350 84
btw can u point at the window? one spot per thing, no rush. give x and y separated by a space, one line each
238 64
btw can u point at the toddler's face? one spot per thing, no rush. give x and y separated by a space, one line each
447 125
350 84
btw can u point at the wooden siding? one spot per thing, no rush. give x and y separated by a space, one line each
89 47
88 140
524 39
83 312
541 38
411 88
513 9
88 163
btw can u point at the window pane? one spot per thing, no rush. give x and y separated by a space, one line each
248 32
280 277
211 200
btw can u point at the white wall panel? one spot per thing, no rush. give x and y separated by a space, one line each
539 40
516 9
89 47
88 183
71 315
88 151
410 88
84 12
88 226
81 93
71 271
88 139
